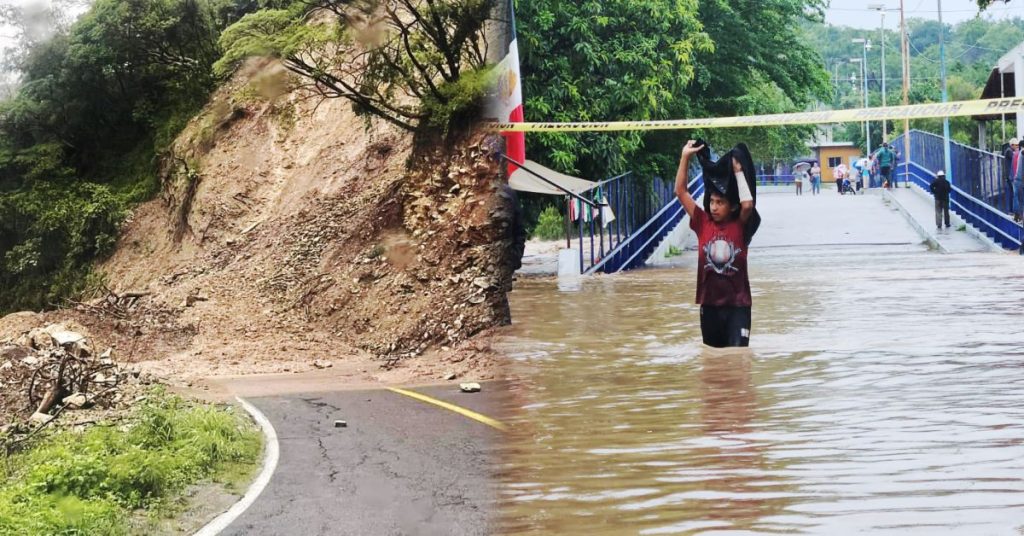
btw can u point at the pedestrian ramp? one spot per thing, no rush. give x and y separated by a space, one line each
918 207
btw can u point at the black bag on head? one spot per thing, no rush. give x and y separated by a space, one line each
719 177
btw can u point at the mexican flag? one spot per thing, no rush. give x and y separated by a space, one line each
508 103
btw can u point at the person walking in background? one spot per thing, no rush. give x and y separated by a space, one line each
885 158
1010 152
940 188
1018 186
839 172
798 180
815 179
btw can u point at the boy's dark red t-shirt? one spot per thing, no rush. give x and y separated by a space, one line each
722 262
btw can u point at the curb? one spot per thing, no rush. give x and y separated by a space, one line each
970 229
928 237
270 457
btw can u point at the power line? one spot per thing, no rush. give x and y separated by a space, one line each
915 10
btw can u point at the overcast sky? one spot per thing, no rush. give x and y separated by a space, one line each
854 13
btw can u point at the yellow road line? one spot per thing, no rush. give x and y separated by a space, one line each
911 111
452 407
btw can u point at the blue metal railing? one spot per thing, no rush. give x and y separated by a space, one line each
632 201
634 252
987 219
977 173
773 180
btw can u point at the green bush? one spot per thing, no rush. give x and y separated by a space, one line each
550 225
88 483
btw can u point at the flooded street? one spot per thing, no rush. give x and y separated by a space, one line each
883 393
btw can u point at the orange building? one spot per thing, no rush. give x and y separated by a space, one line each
829 155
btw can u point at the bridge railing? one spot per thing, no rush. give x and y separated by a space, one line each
990 221
976 173
773 180
627 203
634 251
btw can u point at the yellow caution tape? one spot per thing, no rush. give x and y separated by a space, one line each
913 111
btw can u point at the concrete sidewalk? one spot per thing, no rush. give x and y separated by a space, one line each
919 209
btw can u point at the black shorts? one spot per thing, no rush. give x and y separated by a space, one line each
725 326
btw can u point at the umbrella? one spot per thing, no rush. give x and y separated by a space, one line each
801 166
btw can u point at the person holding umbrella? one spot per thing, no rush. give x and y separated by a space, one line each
799 175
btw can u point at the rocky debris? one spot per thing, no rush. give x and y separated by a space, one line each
469 387
340 424
76 401
48 370
191 299
401 264
322 364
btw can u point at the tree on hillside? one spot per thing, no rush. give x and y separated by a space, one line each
984 4
405 61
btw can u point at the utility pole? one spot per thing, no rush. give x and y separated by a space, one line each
881 9
864 74
905 60
945 94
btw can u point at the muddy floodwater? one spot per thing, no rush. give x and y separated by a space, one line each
883 393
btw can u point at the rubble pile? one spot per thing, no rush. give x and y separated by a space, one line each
49 370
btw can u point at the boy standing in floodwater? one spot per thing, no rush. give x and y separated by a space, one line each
723 232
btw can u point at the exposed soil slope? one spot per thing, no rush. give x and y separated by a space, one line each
289 230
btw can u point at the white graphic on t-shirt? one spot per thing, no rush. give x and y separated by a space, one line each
720 254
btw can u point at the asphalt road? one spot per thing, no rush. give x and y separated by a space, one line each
401 466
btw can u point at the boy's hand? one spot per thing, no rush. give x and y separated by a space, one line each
690 148
737 167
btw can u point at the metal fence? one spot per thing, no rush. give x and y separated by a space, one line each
987 219
624 204
635 250
975 172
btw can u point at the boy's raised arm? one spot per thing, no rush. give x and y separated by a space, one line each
746 198
682 177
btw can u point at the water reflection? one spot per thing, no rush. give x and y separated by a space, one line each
886 400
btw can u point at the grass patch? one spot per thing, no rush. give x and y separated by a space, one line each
91 482
673 251
962 228
550 225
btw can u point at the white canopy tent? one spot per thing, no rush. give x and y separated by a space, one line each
524 181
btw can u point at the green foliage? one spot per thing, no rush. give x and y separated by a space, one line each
673 252
98 102
460 100
550 225
48 235
412 64
595 61
88 483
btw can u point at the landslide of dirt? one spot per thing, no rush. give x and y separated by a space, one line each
288 231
